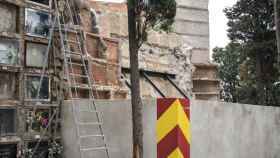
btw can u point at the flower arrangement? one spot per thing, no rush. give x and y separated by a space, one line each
54 151
39 121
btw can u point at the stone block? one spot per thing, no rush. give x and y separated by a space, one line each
205 86
124 48
203 4
196 41
205 71
162 39
191 28
192 14
200 56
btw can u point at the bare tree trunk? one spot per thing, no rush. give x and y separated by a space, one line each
261 96
135 82
277 24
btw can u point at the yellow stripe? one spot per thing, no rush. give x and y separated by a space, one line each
174 115
184 123
176 154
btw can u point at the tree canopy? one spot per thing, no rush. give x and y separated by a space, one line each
253 52
153 14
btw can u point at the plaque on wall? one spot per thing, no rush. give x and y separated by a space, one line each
7 122
35 54
9 51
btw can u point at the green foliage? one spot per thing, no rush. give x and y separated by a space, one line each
54 151
152 14
160 14
229 60
251 28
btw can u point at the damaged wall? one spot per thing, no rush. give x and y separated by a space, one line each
155 56
191 30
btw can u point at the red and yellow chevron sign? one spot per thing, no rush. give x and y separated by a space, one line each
173 128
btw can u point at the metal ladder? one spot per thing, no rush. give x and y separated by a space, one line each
65 27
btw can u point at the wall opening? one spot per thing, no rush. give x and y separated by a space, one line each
42 150
8 150
32 87
36 23
7 122
8 85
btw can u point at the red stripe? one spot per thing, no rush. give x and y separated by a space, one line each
163 105
171 141
186 105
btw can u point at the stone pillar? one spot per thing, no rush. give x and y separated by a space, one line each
192 23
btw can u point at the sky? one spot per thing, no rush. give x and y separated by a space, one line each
218 21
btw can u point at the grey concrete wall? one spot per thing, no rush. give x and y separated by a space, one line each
224 130
117 125
219 130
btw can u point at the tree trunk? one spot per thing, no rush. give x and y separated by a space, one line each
135 82
277 24
261 95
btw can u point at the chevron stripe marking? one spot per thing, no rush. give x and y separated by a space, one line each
173 116
174 139
186 104
176 154
163 105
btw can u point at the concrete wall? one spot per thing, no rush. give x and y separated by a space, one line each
219 130
117 129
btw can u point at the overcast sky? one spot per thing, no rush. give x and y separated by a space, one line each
218 21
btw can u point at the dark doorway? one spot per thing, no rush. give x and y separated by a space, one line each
8 150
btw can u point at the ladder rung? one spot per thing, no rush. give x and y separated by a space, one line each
78 75
67 30
94 135
81 87
71 41
89 111
76 27
96 148
70 52
77 64
72 56
69 27
89 123
73 30
82 99
76 57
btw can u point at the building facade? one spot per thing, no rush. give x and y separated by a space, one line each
171 65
